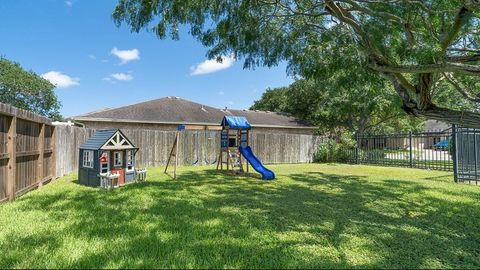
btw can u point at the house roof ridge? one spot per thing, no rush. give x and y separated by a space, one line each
175 109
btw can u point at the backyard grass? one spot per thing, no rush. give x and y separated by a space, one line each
312 216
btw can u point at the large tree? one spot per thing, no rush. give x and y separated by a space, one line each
26 90
334 108
418 46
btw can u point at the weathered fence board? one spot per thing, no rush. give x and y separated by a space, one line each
195 148
25 162
68 140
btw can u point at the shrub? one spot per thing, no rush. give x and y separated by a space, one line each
342 150
371 154
450 146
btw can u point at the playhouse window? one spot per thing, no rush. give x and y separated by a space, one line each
117 159
130 160
88 159
104 163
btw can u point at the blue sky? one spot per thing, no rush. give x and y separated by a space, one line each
96 65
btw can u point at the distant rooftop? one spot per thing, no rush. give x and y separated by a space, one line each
175 110
435 125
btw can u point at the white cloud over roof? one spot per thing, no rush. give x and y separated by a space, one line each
126 56
60 80
211 66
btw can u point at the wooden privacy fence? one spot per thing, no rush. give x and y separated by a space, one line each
33 151
199 147
68 141
27 158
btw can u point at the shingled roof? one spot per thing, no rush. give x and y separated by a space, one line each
174 110
98 139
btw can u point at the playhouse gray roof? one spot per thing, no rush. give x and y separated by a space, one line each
98 139
174 110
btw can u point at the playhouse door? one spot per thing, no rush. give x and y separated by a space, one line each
117 166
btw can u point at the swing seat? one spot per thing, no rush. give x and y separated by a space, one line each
210 163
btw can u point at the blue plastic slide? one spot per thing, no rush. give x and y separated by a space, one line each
256 164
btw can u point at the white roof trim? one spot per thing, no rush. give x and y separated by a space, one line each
118 141
178 123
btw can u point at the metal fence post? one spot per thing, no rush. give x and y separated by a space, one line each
455 153
411 151
356 149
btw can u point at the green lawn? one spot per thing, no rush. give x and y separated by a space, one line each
329 216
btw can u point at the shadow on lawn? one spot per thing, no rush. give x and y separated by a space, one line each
206 219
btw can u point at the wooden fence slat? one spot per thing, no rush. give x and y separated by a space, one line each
12 161
41 157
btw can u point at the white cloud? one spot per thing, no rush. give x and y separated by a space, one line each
119 77
126 55
221 93
211 66
60 80
92 57
69 3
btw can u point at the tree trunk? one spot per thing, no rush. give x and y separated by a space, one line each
362 123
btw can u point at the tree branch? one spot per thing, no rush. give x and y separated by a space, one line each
464 58
460 89
461 18
432 68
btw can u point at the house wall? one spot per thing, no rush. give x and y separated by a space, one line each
88 176
170 127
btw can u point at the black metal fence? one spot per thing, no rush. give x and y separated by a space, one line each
467 154
456 149
430 150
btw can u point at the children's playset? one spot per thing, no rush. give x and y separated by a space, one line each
235 152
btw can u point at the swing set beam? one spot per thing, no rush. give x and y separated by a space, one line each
174 150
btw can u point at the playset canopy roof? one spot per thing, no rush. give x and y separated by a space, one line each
236 122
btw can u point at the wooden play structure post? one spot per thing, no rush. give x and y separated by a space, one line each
174 152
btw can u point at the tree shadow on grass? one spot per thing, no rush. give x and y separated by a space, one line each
206 219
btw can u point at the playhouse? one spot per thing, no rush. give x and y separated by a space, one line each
107 152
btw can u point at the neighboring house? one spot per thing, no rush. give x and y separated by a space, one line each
168 112
436 126
438 130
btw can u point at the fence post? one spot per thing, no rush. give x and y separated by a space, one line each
41 151
53 146
12 161
455 153
357 160
411 146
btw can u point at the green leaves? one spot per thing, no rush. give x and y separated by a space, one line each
341 101
320 39
26 90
